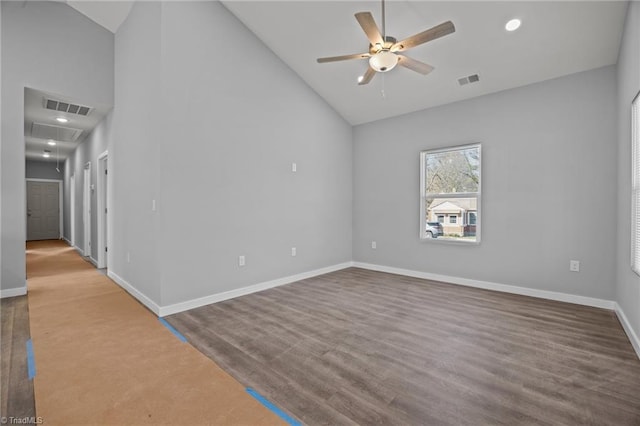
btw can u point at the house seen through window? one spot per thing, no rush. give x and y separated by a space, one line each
450 194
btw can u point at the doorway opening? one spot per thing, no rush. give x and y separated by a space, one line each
86 210
72 210
103 211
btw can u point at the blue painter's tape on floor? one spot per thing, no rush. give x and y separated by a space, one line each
173 330
31 362
264 401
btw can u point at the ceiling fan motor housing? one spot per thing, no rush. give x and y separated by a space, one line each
389 42
382 59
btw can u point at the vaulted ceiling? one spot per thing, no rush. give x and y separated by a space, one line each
556 38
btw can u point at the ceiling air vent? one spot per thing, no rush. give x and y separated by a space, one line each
54 105
58 133
474 78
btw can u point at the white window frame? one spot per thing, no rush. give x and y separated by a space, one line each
635 184
424 196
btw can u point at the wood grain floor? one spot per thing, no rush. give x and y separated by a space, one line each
363 347
16 395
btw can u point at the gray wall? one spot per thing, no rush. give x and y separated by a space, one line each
212 141
87 152
44 170
36 37
139 122
549 174
628 283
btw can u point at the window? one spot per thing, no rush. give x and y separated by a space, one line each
471 218
450 187
635 184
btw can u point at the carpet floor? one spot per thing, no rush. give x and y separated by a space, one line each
102 358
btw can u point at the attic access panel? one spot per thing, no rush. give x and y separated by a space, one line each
58 133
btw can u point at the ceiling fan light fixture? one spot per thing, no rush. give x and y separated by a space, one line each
360 78
383 61
513 25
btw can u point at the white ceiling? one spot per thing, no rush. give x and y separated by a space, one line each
556 38
109 14
35 112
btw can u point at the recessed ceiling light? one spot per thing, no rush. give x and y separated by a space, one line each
52 143
513 25
62 119
45 155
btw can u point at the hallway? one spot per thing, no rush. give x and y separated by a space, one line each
102 358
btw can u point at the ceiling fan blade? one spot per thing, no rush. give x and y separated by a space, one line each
431 34
366 78
344 57
368 24
414 65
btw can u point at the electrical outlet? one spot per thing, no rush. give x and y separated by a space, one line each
574 265
128 257
294 251
374 245
241 261
294 167
153 205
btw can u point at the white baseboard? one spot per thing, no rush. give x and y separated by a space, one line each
13 292
525 291
76 248
142 298
219 297
626 325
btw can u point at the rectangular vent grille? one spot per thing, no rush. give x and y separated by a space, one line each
474 78
54 105
58 133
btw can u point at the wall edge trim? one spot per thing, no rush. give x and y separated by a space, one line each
137 294
13 292
243 291
487 285
628 329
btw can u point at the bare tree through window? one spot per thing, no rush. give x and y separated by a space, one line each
450 188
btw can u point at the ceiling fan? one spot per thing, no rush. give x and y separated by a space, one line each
384 51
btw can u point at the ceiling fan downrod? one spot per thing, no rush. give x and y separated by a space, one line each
384 30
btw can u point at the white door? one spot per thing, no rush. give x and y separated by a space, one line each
86 210
72 210
43 210
106 214
103 211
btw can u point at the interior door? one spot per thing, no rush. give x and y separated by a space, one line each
43 210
